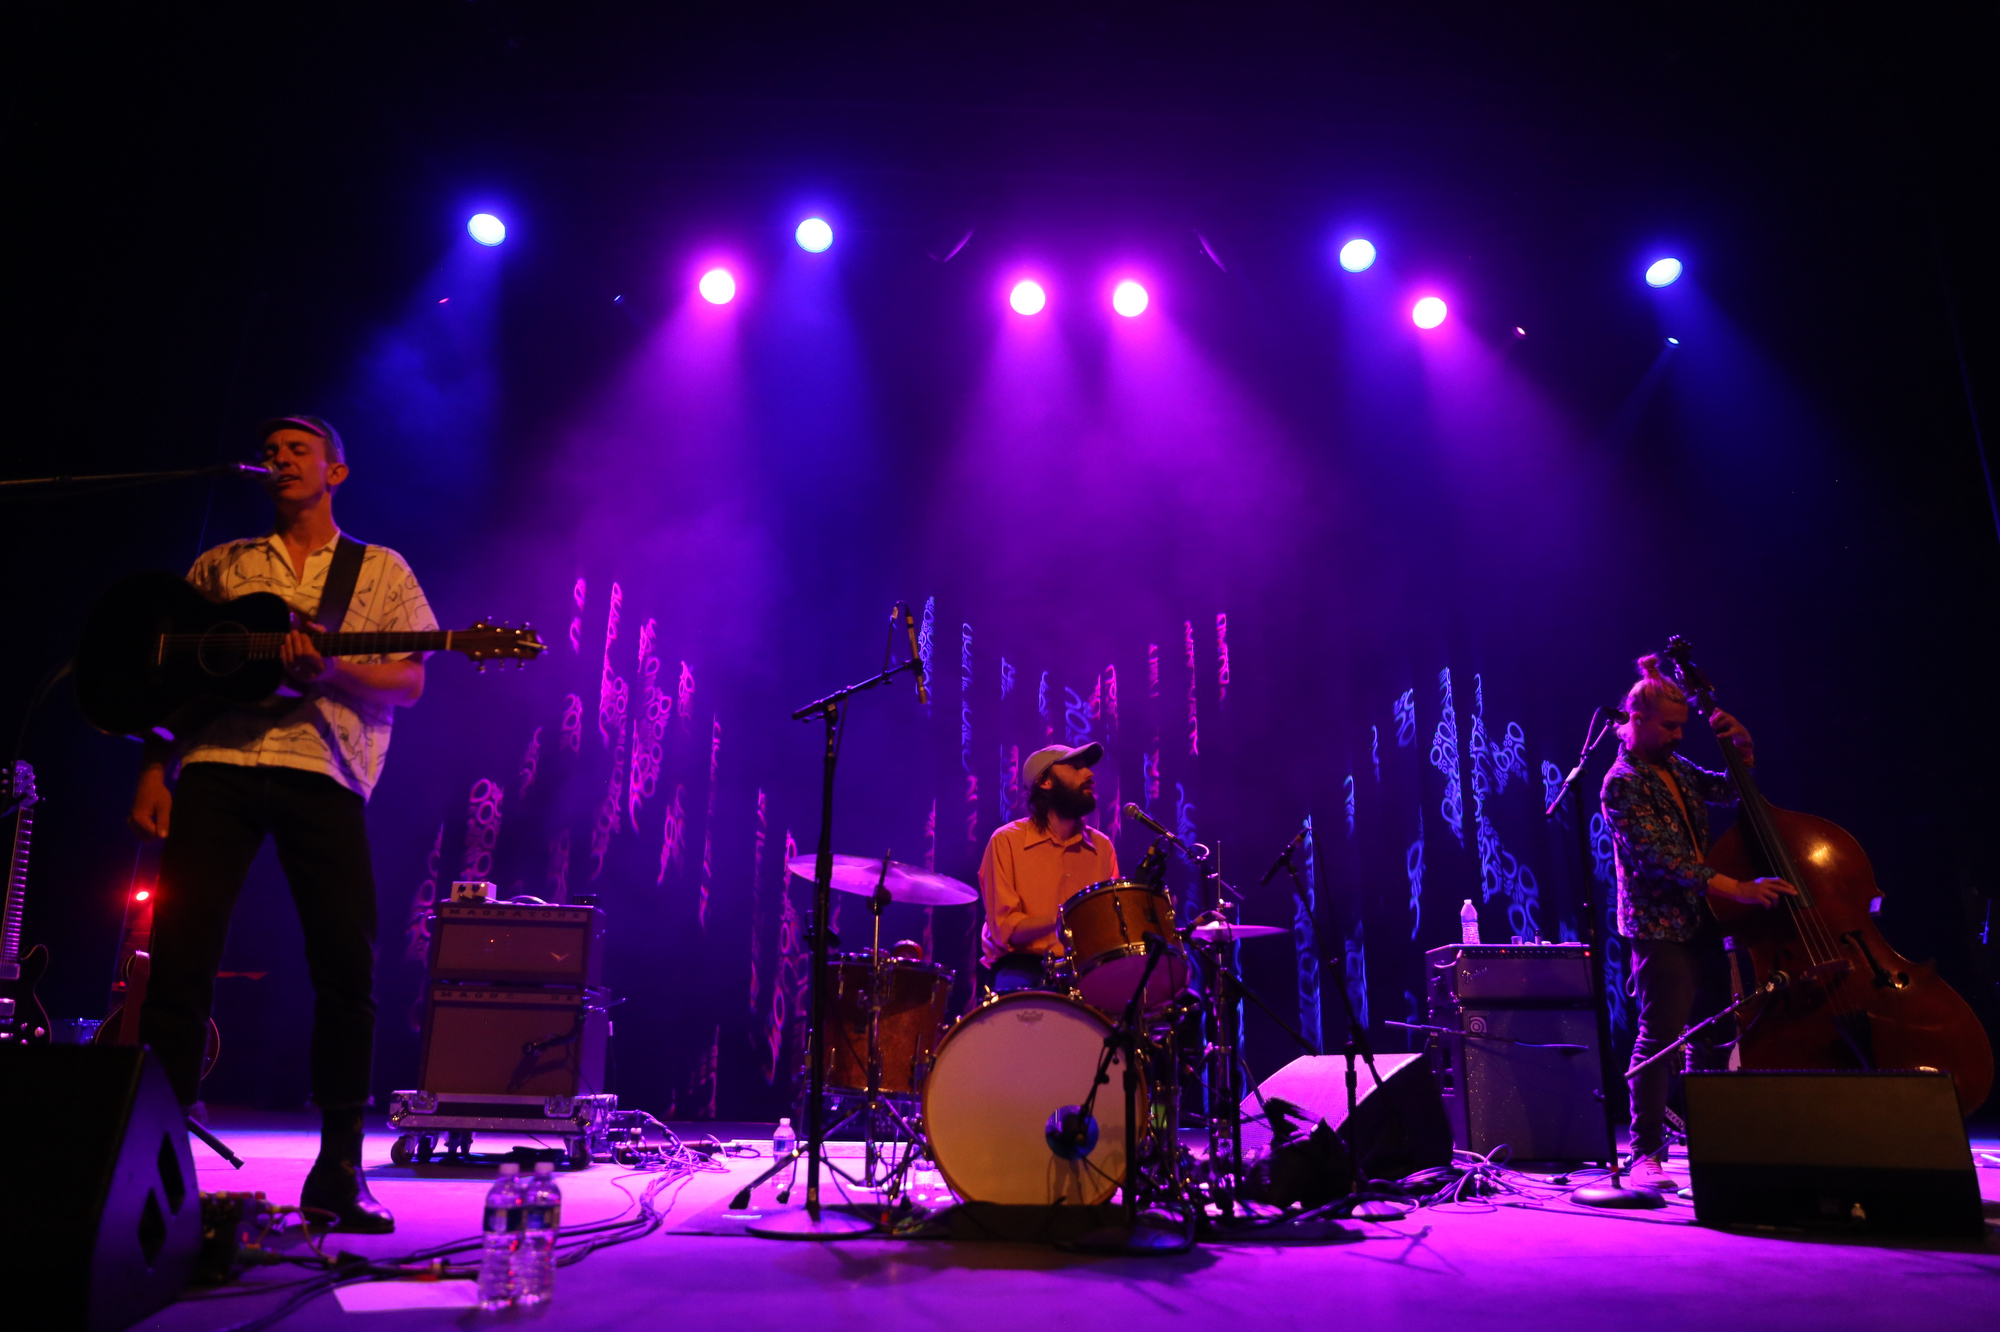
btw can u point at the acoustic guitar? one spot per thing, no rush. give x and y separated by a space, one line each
157 658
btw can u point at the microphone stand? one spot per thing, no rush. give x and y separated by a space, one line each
1129 1237
114 480
1612 1194
812 1221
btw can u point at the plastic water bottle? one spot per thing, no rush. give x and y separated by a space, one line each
783 1140
1468 923
541 1218
503 1238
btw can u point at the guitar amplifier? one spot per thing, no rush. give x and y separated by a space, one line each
499 944
1520 1066
525 1041
1553 975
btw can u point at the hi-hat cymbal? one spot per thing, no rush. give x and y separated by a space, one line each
906 883
1221 931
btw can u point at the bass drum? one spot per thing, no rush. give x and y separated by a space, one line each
999 1075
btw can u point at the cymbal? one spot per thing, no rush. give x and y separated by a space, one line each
1221 931
906 883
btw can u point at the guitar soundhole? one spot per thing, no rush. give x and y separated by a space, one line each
224 649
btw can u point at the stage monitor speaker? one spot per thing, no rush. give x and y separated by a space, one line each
1864 1152
521 1041
1399 1126
105 1220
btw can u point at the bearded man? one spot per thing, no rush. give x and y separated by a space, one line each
1033 865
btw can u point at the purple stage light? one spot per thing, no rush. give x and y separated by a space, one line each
1027 298
717 286
1129 299
1428 312
814 235
486 229
1357 256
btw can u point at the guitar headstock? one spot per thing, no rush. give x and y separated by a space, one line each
486 641
20 786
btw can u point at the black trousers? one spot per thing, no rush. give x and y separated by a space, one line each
1675 983
221 815
1019 971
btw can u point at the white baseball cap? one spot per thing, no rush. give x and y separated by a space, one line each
1039 762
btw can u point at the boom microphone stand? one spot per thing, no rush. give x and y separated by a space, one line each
117 480
811 1221
1613 1193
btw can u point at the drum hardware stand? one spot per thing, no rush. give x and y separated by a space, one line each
875 1105
812 1221
1130 1237
1227 995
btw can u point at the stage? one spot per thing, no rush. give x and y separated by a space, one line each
1532 1266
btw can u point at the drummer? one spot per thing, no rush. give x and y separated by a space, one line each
1033 865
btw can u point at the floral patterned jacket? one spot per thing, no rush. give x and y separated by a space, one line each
1662 881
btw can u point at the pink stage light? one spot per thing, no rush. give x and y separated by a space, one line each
717 286
1428 312
1027 298
1129 299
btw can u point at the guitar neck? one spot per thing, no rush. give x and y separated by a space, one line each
362 645
17 887
265 647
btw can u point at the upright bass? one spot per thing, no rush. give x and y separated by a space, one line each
1833 994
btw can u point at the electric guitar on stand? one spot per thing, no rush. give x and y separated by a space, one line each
157 658
22 1018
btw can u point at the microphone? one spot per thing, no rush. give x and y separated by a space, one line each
1138 815
1284 856
1070 1134
910 624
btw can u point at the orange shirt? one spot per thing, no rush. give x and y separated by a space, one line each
1026 872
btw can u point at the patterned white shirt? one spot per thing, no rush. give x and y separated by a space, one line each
327 731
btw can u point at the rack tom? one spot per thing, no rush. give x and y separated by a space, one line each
1103 931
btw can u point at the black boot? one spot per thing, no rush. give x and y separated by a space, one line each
335 1183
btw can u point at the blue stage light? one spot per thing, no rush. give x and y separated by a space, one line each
1673 342
1663 273
717 287
1357 256
814 235
486 229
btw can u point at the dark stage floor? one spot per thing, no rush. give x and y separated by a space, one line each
1485 1267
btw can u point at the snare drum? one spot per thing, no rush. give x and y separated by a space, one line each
1000 1074
1103 931
915 1002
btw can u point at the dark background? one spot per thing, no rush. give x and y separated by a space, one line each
219 216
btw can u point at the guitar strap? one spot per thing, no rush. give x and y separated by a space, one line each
338 590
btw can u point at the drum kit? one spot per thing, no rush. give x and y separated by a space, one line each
1004 1099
